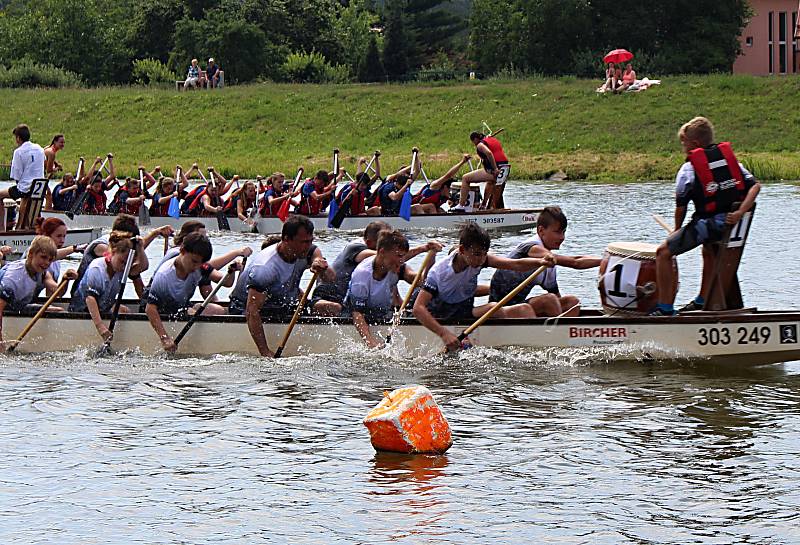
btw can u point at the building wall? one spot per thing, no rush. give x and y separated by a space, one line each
765 53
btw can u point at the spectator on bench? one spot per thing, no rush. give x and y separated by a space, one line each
193 77
213 74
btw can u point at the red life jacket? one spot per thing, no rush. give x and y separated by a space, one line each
195 198
95 203
427 195
720 177
496 148
357 199
309 206
267 209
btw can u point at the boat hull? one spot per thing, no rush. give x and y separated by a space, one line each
21 240
752 338
502 219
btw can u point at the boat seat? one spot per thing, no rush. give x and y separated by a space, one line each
725 292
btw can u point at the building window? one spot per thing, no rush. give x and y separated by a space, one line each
782 58
748 41
770 19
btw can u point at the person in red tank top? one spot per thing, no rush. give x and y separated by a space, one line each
494 172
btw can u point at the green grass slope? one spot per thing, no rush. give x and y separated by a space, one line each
550 124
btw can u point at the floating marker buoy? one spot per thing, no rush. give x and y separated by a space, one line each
408 420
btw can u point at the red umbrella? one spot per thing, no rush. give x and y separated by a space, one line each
617 56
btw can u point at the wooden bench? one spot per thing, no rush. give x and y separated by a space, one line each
179 82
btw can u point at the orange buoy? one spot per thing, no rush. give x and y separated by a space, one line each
408 420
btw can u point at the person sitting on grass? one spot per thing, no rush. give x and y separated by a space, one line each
450 289
628 78
21 280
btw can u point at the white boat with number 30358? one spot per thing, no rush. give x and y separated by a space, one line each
740 338
496 219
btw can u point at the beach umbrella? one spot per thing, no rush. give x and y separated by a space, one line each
617 56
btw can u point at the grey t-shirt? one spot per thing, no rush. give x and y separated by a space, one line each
504 281
172 294
17 286
97 283
344 265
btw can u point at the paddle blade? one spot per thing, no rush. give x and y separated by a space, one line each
104 350
222 221
283 211
174 208
405 205
332 211
340 214
144 214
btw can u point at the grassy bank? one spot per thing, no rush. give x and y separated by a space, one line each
550 124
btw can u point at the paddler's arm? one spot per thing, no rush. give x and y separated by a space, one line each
224 259
482 290
424 316
140 261
439 182
255 300
164 231
377 166
217 276
155 321
680 215
150 177
319 263
521 265
398 194
363 329
579 262
94 312
487 153
750 199
422 248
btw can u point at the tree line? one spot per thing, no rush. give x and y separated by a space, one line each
149 41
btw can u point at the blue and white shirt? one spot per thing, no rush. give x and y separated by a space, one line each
97 283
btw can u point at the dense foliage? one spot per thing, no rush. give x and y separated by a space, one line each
105 41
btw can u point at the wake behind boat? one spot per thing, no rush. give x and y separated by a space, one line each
742 338
490 220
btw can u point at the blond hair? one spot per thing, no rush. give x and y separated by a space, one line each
120 241
43 245
698 130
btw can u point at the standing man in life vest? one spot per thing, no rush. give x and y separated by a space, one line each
713 179
27 165
495 173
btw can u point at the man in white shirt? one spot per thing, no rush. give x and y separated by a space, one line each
27 165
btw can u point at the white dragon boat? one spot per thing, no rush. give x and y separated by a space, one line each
490 220
21 240
730 338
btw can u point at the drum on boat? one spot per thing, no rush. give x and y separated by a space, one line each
473 196
628 278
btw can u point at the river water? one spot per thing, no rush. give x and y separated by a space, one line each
548 447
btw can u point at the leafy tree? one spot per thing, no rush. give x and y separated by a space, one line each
352 28
432 27
152 30
395 48
371 68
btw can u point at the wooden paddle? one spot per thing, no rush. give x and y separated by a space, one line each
56 294
296 316
407 299
662 222
205 303
513 293
166 244
105 349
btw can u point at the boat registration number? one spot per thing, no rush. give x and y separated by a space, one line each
741 335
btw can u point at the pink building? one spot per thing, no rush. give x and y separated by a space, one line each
770 41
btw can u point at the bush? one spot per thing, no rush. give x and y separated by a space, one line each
26 73
151 72
312 68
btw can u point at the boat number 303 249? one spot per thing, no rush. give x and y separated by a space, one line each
741 335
